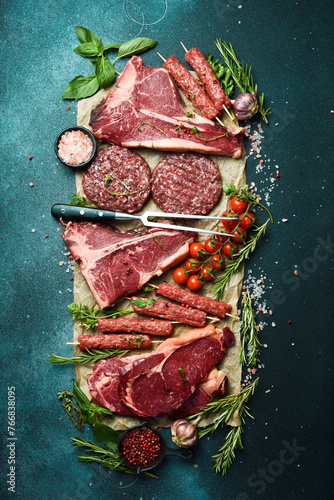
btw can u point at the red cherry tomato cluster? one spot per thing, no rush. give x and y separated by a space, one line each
205 259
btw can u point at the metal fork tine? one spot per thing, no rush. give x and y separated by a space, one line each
184 216
183 228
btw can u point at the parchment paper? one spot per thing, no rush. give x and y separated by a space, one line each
232 171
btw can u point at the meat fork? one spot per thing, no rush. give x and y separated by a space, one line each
97 215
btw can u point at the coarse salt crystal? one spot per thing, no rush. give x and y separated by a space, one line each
284 220
75 147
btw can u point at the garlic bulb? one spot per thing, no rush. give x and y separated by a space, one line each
245 106
184 434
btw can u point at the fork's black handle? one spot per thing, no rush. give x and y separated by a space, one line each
86 213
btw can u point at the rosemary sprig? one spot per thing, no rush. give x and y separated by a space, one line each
249 333
89 316
238 258
224 409
241 74
88 356
103 455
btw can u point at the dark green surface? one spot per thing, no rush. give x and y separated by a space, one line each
288 45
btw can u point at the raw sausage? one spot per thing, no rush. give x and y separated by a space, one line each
113 341
197 61
151 326
192 299
191 87
159 309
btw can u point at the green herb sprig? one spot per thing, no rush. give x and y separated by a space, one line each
237 260
88 356
92 47
241 74
243 194
224 409
249 333
90 316
81 202
223 74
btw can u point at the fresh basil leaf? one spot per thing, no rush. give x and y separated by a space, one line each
106 434
89 49
85 35
139 303
81 86
112 46
135 46
104 71
150 302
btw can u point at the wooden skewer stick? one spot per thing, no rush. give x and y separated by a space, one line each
164 60
184 47
228 113
232 316
214 320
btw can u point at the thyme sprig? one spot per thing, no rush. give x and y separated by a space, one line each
241 74
103 455
238 258
88 356
249 333
224 409
90 316
73 411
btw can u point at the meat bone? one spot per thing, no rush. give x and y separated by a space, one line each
97 215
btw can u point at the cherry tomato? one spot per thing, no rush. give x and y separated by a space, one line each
193 265
179 276
246 220
223 238
195 248
212 246
229 248
206 273
240 235
194 283
217 262
238 206
230 224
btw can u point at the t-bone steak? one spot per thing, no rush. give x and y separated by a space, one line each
116 263
144 110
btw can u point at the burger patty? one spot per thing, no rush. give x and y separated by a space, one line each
118 179
186 183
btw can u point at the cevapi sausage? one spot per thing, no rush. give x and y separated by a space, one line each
174 312
114 341
151 326
197 61
191 87
192 299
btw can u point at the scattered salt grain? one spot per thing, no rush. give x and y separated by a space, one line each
284 220
61 263
31 184
273 324
33 230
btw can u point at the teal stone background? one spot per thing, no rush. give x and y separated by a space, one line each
289 45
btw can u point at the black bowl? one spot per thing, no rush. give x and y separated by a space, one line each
85 131
164 450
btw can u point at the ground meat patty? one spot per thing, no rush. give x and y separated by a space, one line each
119 171
186 183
